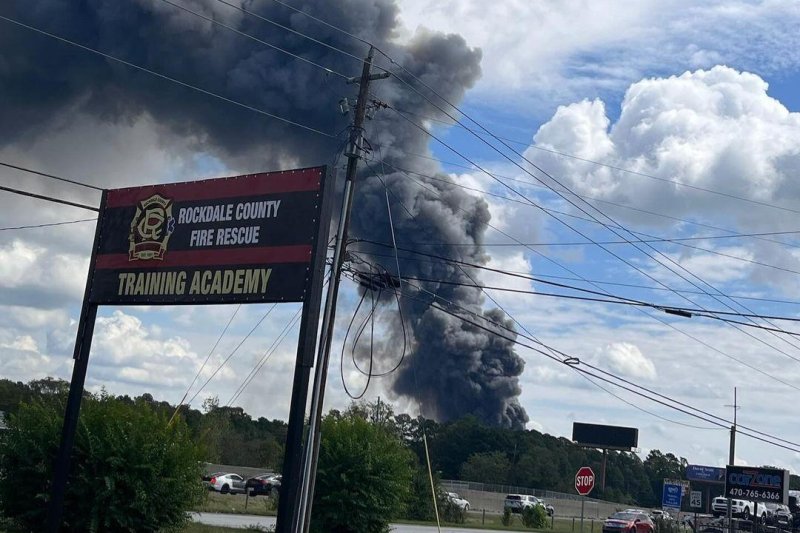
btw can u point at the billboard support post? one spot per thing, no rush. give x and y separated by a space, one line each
83 345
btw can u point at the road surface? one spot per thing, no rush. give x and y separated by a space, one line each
242 521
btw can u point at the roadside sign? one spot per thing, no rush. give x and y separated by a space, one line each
710 474
682 482
696 500
671 497
584 480
769 485
243 239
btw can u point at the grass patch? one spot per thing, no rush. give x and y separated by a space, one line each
215 502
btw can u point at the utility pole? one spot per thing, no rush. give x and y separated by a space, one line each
353 153
732 454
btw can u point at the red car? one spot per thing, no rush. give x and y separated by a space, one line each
628 522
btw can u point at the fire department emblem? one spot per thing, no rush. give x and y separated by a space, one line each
151 228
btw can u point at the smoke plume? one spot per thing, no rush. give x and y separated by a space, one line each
454 368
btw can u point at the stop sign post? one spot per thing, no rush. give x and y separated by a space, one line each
584 483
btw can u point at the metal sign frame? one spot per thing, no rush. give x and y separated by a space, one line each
311 299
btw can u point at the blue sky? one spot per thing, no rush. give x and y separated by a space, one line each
698 113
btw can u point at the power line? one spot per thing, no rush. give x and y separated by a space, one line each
565 198
617 298
592 281
169 78
231 354
610 228
51 176
210 353
643 311
610 166
324 23
583 243
50 224
517 322
391 60
553 179
291 30
48 198
582 196
649 238
243 34
574 362
261 362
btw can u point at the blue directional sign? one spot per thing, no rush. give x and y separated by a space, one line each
672 496
709 474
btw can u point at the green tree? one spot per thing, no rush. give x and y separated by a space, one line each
492 467
130 471
363 479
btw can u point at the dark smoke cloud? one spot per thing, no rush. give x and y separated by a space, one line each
44 85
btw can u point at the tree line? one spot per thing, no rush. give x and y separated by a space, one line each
463 449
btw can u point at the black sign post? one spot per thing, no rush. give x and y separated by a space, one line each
769 485
258 238
83 345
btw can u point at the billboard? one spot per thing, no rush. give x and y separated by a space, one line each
710 474
608 437
242 239
769 485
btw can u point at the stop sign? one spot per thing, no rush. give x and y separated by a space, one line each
584 480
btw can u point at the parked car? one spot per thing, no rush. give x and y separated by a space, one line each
263 484
517 502
658 514
779 515
227 484
628 522
457 500
548 508
739 508
207 477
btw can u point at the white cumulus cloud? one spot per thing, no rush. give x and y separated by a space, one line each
627 359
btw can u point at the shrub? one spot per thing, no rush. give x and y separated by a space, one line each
363 478
507 517
450 512
534 517
129 471
420 503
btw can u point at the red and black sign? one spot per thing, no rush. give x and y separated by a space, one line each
239 239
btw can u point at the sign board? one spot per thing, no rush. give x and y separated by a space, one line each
584 480
696 499
769 485
710 474
243 239
671 497
606 437
682 482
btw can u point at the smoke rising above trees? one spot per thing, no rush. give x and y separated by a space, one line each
453 368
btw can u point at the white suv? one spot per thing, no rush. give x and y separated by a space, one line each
457 500
517 502
739 508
